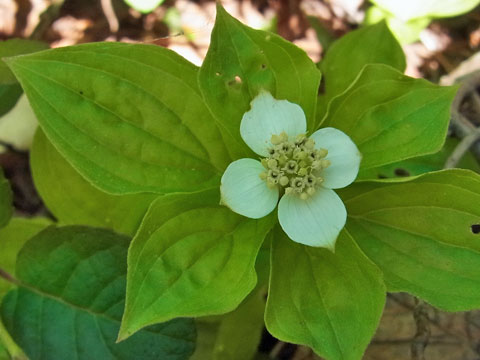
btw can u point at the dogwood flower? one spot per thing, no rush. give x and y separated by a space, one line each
300 170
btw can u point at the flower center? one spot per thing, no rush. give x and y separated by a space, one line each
294 166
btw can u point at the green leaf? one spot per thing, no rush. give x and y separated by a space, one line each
128 117
419 234
144 6
331 302
392 117
15 47
12 238
9 95
71 297
236 335
73 200
414 9
6 209
349 55
421 165
240 62
190 257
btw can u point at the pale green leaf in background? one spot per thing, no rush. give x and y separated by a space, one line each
390 116
407 10
144 6
154 135
190 257
70 300
406 32
331 302
242 61
15 47
348 55
419 233
73 200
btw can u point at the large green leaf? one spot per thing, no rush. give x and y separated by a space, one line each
128 117
240 62
234 336
190 257
331 302
71 297
12 238
421 165
73 200
414 9
347 56
420 234
392 117
6 209
15 47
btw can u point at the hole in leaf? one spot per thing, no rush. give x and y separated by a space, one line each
476 228
81 92
382 176
264 66
218 74
236 80
401 172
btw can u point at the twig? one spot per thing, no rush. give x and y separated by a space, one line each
462 149
276 350
422 336
109 13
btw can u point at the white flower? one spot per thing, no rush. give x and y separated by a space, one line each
302 170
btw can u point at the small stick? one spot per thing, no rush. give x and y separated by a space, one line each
462 149
109 13
422 336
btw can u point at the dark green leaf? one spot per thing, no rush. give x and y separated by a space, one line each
12 238
128 117
190 257
14 47
9 95
347 56
6 209
419 233
73 200
331 302
240 62
71 298
392 117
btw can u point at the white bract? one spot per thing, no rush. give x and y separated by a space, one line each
301 170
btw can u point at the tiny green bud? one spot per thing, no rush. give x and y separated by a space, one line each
322 153
299 139
309 144
284 181
263 175
291 167
276 139
303 171
304 196
284 136
272 164
264 163
299 154
311 191
288 190
310 180
325 163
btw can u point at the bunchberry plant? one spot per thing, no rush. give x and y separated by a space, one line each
302 170
191 163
